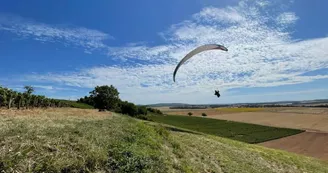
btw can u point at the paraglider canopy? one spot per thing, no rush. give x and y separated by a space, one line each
196 51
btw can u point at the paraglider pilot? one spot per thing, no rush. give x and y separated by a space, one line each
217 93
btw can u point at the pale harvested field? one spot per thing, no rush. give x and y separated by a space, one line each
313 122
311 144
314 119
299 110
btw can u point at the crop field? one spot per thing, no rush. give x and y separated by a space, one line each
235 110
249 133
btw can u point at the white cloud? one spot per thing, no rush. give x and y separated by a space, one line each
287 18
261 54
78 36
55 88
283 93
226 15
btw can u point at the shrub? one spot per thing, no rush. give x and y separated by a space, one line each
143 117
142 110
156 111
129 108
204 115
189 113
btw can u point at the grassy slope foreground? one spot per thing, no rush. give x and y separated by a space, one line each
244 132
73 140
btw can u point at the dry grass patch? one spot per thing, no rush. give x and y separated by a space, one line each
54 113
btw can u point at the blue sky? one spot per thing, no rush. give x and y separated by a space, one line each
277 50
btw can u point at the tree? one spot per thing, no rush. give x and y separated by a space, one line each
46 102
40 100
27 94
87 100
29 90
11 95
3 96
189 113
34 101
105 97
204 114
19 100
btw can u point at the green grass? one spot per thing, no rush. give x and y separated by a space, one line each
244 132
99 144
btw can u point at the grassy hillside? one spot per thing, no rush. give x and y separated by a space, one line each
244 132
72 140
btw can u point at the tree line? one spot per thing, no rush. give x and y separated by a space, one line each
107 98
10 98
102 97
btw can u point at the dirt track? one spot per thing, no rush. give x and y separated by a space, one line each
311 144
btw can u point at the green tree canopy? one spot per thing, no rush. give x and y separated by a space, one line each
105 97
29 90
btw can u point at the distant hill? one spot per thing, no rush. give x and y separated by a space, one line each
302 102
166 104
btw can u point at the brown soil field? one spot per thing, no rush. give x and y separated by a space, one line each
311 144
313 119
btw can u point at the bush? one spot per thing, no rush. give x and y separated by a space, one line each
143 117
75 104
142 110
156 111
129 108
204 115
189 113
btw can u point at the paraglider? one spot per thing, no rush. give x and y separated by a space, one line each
196 51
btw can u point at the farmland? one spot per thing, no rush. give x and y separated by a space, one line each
209 111
76 140
249 133
313 142
315 119
235 110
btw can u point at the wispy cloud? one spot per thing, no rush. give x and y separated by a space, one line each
282 93
77 36
54 88
287 18
261 54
